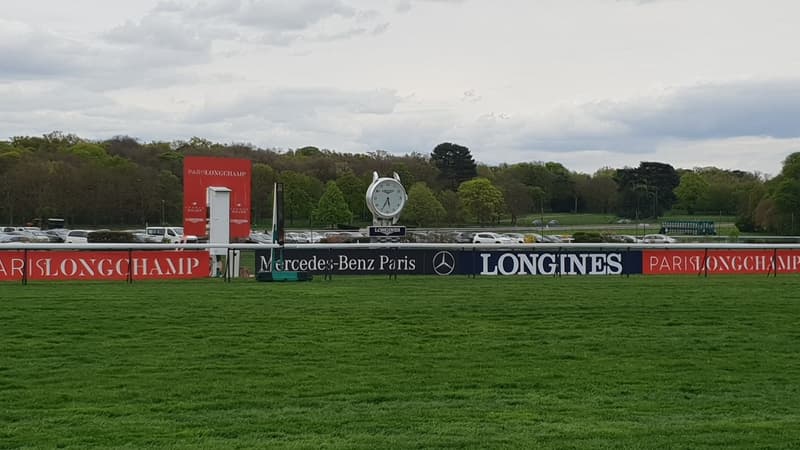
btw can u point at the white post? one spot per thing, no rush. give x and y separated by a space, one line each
219 226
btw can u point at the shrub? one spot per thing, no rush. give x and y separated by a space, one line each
587 237
116 237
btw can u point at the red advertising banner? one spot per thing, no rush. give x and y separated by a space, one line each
104 265
200 172
720 261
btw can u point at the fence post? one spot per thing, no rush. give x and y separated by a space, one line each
130 266
25 267
775 262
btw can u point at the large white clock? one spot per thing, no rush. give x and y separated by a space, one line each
386 197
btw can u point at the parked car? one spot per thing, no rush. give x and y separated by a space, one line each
142 237
293 237
490 238
658 239
59 233
463 237
515 237
344 236
257 237
13 236
172 235
545 239
624 238
77 237
43 236
551 239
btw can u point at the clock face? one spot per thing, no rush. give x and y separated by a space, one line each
388 197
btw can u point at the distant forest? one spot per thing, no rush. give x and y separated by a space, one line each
124 182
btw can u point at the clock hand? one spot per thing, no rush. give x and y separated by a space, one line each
386 203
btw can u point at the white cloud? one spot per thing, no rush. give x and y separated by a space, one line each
707 112
714 110
28 51
273 22
159 31
297 106
48 95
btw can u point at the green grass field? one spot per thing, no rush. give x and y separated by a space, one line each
417 362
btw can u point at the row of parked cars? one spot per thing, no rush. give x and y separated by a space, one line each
515 238
29 234
646 239
310 237
159 234
519 238
36 235
162 234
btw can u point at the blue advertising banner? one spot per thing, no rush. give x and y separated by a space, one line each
454 262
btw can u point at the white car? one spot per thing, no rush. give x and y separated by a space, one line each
515 237
490 238
77 237
626 239
172 235
658 239
13 236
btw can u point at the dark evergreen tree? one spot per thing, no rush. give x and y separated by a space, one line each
455 164
646 191
332 208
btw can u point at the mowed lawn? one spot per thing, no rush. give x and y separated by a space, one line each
416 362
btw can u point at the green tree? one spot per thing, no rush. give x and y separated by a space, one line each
787 192
601 192
518 199
581 187
263 185
332 208
539 200
562 192
690 191
787 203
298 200
791 166
89 150
422 208
646 191
455 164
748 194
481 199
533 174
719 198
309 151
453 209
354 190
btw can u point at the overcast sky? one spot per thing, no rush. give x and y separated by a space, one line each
587 83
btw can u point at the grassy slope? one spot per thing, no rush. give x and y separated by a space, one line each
455 362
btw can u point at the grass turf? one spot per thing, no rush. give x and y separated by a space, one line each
417 362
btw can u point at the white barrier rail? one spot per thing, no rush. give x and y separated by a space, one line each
544 246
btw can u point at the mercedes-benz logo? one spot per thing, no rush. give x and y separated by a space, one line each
444 263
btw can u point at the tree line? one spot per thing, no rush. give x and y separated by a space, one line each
124 182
